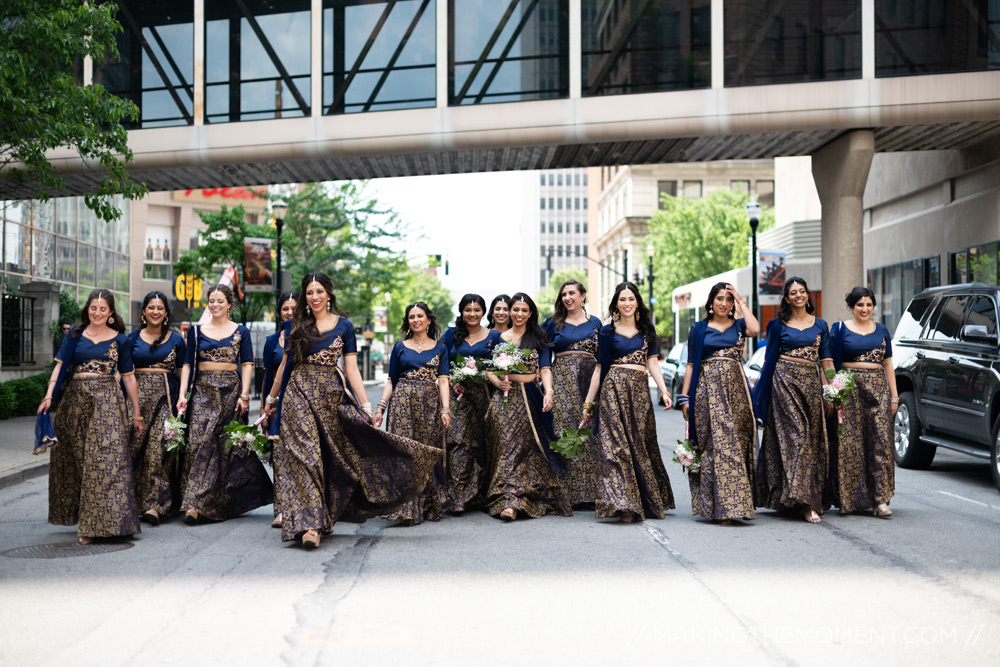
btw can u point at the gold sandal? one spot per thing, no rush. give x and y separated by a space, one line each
882 511
310 539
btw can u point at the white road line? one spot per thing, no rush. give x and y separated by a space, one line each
968 500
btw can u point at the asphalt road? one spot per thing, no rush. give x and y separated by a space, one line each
922 588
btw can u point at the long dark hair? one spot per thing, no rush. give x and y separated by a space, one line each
433 328
304 329
785 309
534 336
165 327
716 288
114 319
285 296
496 300
559 311
462 331
643 322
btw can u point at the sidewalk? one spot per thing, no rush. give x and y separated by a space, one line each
17 464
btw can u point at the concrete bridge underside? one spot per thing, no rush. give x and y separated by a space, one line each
936 112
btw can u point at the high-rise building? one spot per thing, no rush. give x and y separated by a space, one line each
554 225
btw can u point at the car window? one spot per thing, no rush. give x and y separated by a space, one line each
946 326
983 316
913 319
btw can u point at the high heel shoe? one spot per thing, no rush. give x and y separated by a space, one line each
882 511
152 517
191 517
310 539
277 522
508 514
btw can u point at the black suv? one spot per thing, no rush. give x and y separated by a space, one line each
946 354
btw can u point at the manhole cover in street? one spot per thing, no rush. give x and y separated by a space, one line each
66 550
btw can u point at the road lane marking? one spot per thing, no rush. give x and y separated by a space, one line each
968 500
660 538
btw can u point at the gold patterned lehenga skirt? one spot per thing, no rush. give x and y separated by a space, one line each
571 375
218 483
861 459
90 472
633 478
466 447
727 440
521 475
157 473
415 413
792 465
331 465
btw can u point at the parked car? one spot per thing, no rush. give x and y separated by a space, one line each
673 366
946 356
754 364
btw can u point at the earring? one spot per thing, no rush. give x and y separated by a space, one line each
617 316
329 306
143 318
111 320
711 311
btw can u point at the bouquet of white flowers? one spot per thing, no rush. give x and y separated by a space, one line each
508 358
249 437
174 430
689 459
838 392
466 372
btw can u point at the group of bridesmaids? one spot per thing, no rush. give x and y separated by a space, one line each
809 458
449 449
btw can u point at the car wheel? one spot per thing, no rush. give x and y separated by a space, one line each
995 455
908 450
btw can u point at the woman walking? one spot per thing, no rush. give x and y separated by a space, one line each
633 479
466 437
416 401
722 427
330 463
863 470
573 337
788 399
523 472
90 471
219 484
157 352
274 352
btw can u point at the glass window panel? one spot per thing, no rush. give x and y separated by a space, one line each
156 271
944 36
243 80
105 233
959 267
784 42
933 272
43 215
65 260
66 216
946 327
16 248
645 47
983 264
17 211
156 65
88 223
892 306
122 272
123 228
983 314
43 254
528 58
87 268
105 269
765 193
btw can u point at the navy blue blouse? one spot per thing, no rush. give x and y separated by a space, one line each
846 345
274 352
168 355
481 350
812 343
100 357
426 365
574 337
236 348
614 348
723 343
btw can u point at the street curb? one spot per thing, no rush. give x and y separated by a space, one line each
23 474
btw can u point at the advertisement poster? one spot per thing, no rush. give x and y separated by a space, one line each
770 276
379 321
257 258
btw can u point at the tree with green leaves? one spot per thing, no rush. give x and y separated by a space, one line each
546 299
224 234
698 238
45 108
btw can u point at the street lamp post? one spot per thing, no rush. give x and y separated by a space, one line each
625 261
279 209
753 217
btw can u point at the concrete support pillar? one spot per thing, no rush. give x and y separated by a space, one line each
840 170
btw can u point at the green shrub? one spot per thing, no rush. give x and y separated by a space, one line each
21 397
8 401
